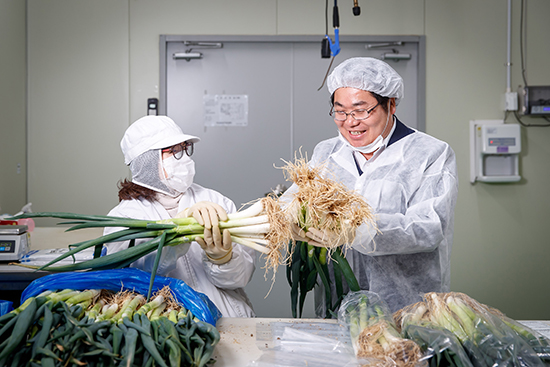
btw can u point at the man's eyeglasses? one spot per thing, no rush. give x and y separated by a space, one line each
178 149
359 115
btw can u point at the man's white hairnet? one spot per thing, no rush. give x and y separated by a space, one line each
368 74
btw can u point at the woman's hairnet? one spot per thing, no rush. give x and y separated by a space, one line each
146 171
151 132
368 74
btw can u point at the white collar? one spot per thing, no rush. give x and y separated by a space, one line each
360 158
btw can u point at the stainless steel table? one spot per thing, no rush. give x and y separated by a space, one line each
17 278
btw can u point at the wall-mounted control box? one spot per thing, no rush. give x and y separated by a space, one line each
494 151
534 100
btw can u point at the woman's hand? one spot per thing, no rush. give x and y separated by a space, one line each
206 213
218 247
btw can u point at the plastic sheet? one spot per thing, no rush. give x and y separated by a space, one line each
130 279
304 344
43 257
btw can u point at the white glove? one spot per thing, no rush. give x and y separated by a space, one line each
298 234
218 248
206 213
319 238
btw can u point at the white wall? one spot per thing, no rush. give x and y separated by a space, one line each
93 64
13 152
501 247
78 90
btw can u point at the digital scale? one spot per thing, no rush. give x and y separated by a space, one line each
14 242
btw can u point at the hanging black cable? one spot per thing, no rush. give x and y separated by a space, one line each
326 17
521 44
356 9
328 48
522 61
325 45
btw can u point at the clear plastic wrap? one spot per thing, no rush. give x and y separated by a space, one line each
304 344
373 334
482 332
45 256
440 346
538 342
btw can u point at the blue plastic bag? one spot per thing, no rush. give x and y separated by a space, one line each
130 279
5 307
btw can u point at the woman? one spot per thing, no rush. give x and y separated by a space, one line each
407 177
159 156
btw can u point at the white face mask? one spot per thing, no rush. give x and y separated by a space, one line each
372 147
179 173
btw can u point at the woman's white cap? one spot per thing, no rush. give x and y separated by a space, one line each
368 74
152 132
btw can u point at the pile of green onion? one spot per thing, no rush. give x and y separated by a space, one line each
97 328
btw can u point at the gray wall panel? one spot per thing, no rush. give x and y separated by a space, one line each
280 76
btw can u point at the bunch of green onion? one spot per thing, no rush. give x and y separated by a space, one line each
485 334
260 227
373 333
308 265
265 227
323 203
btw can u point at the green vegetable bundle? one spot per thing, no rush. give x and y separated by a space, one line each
319 202
308 265
325 204
373 333
77 328
441 348
261 227
539 343
486 336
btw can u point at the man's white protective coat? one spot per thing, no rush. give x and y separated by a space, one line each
411 185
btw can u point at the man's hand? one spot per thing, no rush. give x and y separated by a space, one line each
320 238
298 234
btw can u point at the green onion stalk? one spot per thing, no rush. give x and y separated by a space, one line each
495 341
440 346
539 343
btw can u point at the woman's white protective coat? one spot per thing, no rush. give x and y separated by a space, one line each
223 284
